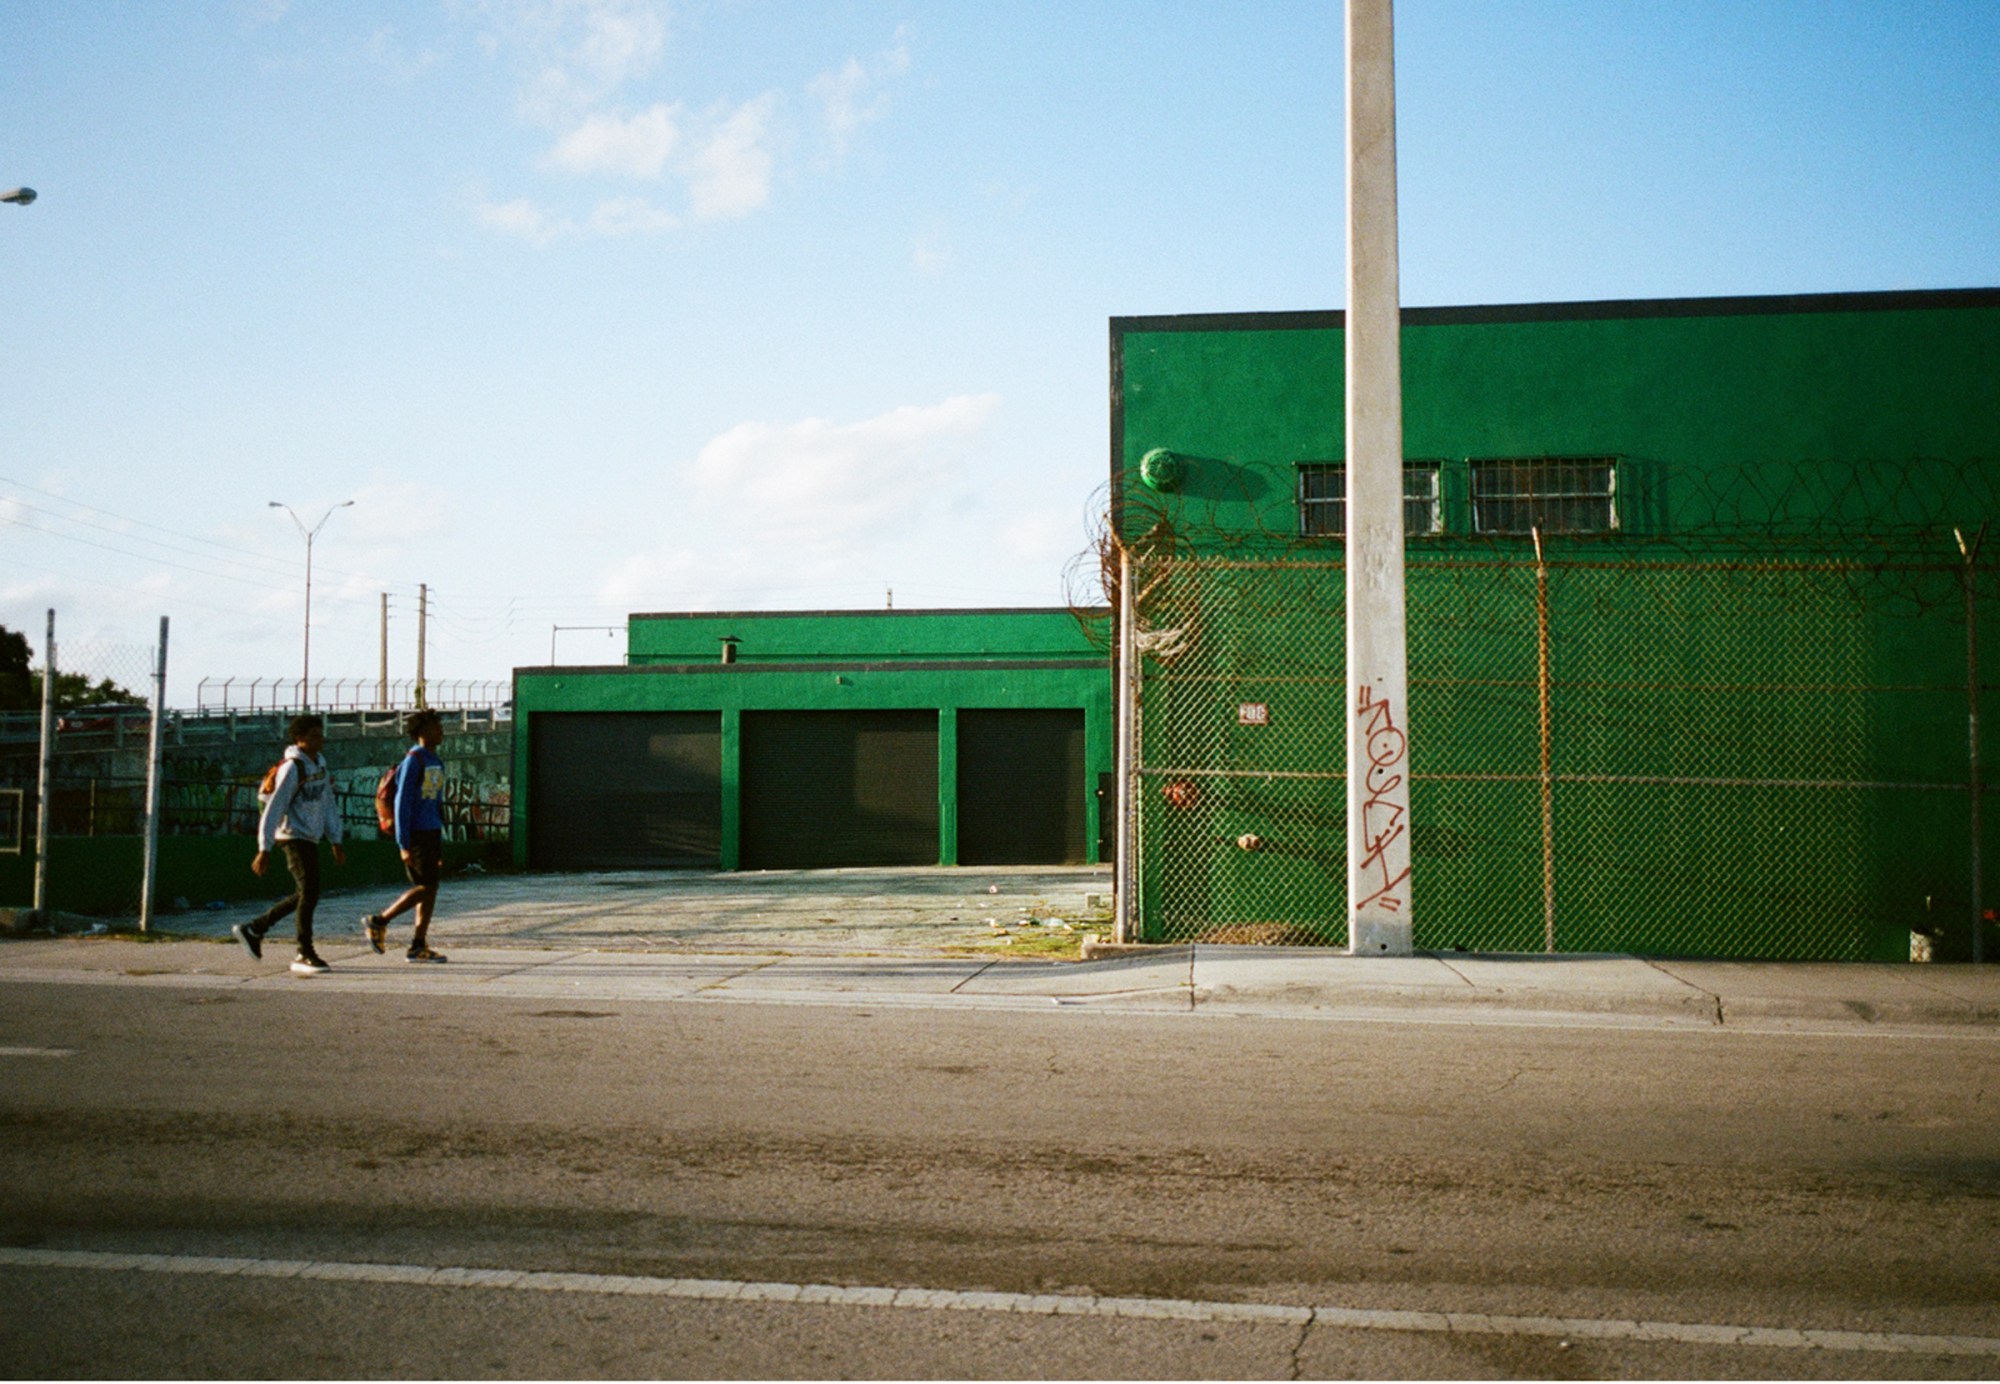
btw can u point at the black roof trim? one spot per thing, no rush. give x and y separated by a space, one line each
1611 309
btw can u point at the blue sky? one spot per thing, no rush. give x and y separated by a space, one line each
594 306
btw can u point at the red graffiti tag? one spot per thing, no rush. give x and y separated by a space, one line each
1382 819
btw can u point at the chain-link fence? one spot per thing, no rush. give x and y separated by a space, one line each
101 751
1718 757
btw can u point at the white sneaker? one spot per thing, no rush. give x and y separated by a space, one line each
308 964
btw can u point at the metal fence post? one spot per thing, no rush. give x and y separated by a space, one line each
154 755
1125 872
1547 778
42 774
1970 555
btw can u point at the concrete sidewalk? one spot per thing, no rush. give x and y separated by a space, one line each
941 938
1609 991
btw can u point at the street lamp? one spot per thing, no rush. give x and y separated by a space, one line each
21 196
309 534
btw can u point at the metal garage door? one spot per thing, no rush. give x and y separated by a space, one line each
625 790
1020 788
826 788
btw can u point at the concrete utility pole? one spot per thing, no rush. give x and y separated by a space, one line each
1378 764
42 773
155 749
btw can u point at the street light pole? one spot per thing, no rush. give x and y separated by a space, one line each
309 534
19 196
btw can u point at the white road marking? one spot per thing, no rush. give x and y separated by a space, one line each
37 1052
1051 1304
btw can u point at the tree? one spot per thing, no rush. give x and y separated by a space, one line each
20 690
21 685
74 689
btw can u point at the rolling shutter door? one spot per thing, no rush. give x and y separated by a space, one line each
625 790
830 788
1020 788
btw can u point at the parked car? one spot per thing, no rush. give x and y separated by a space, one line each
106 716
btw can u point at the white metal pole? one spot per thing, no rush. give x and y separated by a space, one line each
423 635
43 774
1378 772
152 851
382 693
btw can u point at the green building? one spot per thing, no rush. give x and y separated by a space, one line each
763 740
1693 596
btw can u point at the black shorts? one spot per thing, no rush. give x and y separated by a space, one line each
425 861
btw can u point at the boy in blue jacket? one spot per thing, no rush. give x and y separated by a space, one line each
419 836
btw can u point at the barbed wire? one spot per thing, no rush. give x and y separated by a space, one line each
1909 531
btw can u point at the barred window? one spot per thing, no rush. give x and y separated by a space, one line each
1323 499
1553 494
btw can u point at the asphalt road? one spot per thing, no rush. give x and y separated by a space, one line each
1602 1176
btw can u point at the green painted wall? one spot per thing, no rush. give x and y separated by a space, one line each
1854 431
940 660
868 636
1887 395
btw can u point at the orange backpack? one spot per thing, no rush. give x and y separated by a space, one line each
385 800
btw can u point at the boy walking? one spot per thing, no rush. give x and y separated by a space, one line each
419 799
300 813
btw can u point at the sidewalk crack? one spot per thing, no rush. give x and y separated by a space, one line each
1299 1346
1449 967
974 976
1715 1000
737 975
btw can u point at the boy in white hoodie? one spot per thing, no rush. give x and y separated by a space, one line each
300 813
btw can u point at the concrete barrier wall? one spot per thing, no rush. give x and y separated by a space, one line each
98 875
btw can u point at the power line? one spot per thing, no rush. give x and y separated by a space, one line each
266 570
277 569
134 591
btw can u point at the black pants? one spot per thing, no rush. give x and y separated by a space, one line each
302 859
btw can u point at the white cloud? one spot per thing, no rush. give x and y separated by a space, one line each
854 95
625 216
611 218
621 39
580 57
724 165
581 52
636 148
386 49
817 484
525 219
729 175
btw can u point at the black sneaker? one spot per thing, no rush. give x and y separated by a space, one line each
423 954
252 940
377 928
309 964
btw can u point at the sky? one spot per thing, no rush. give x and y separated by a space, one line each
593 307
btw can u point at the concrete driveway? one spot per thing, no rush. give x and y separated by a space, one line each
889 911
